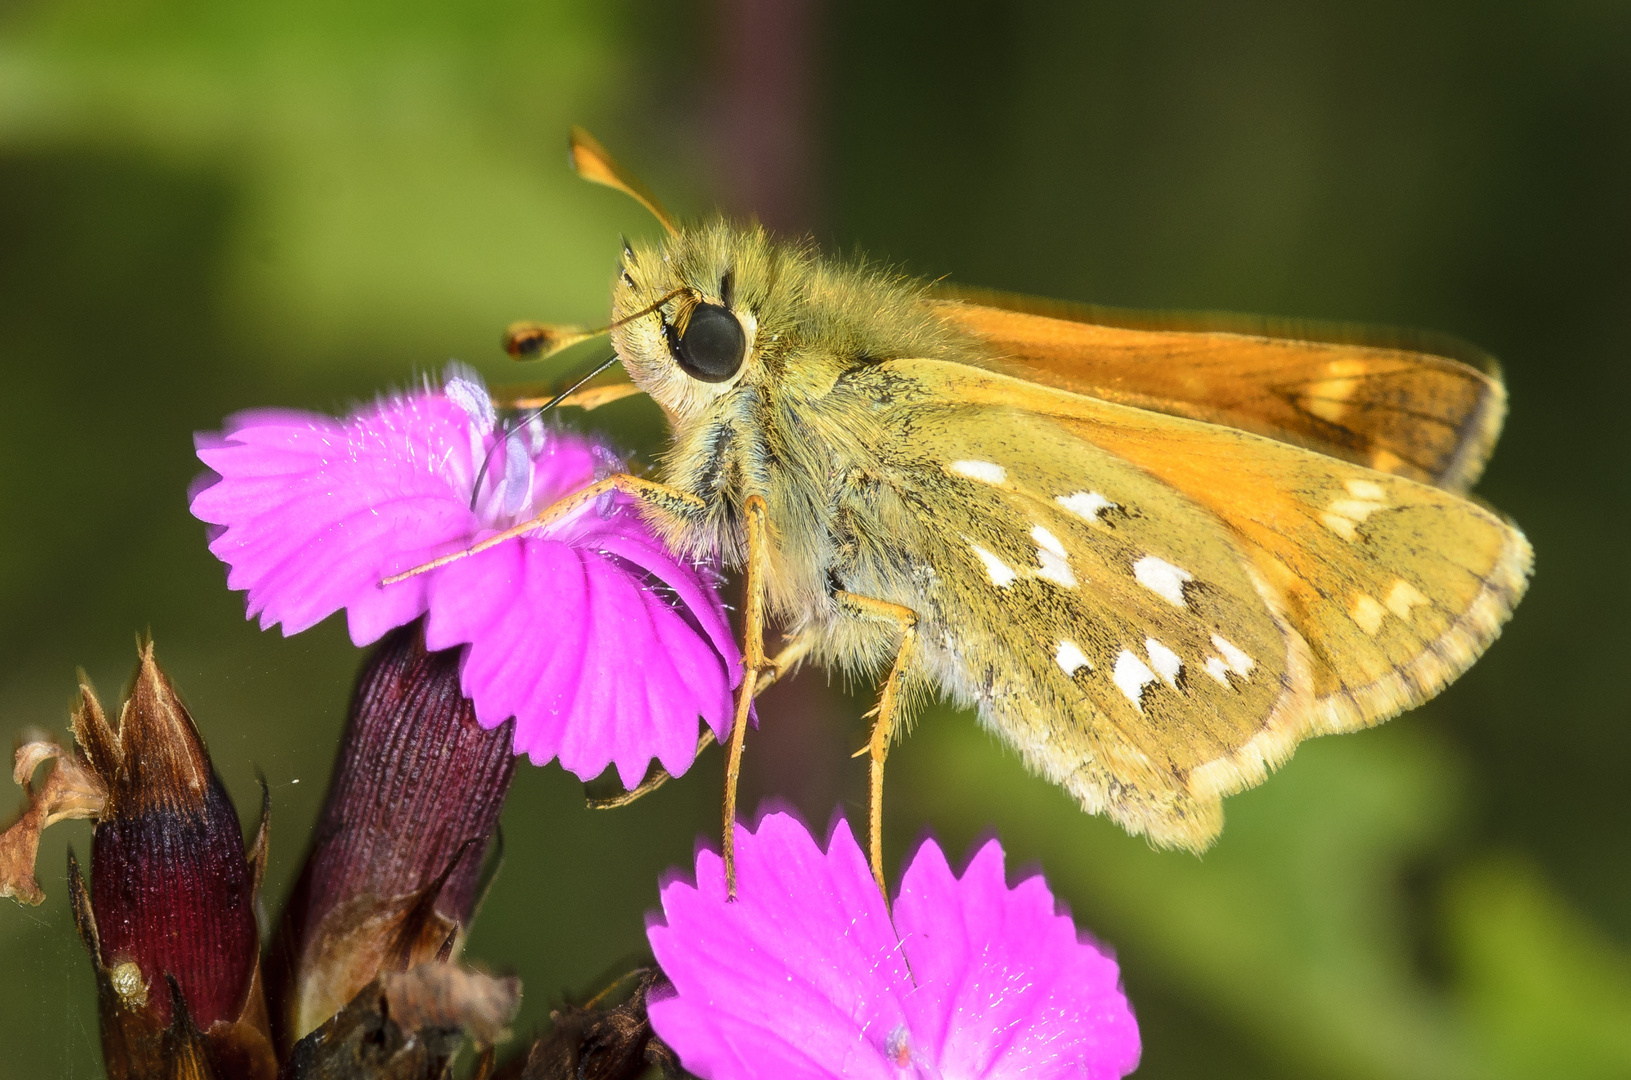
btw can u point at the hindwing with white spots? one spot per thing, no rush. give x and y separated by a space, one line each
1156 610
1104 623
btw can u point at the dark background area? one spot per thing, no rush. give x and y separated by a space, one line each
209 207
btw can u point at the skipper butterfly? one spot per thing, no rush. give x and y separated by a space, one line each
1154 553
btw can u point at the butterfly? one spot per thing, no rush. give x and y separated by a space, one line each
1154 553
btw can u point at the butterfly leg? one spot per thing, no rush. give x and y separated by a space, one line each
753 665
883 717
792 652
672 500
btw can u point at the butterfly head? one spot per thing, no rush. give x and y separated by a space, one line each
689 315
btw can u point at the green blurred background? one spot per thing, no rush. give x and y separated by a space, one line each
206 206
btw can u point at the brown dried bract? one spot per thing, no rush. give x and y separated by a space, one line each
407 1026
72 789
362 937
448 996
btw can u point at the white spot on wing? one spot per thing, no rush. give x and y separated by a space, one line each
1002 575
1217 669
983 471
1162 578
1339 525
1071 658
1366 489
1165 661
1047 541
1344 514
1402 598
1055 570
1355 509
1085 504
1132 676
1367 613
1238 662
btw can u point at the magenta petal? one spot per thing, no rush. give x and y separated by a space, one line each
1005 987
596 668
803 975
604 647
700 601
317 511
800 977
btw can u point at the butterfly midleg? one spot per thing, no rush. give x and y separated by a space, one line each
662 496
791 653
883 717
753 663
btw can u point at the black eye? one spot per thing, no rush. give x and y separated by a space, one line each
713 345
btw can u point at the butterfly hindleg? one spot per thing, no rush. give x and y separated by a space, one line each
793 652
883 717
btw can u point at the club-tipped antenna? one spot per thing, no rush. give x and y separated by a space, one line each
518 422
528 340
591 161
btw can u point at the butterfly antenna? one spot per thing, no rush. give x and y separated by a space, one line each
538 341
516 424
591 161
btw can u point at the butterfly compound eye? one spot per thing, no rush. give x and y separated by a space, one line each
713 345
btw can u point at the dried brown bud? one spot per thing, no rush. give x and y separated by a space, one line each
392 876
586 1042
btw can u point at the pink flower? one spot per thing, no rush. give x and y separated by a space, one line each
602 645
805 975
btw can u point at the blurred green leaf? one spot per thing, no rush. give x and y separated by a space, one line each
400 169
1548 994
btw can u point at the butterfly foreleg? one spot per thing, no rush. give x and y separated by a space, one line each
753 665
672 500
884 715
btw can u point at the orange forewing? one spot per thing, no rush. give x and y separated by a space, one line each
1369 396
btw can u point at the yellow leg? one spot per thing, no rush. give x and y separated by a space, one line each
883 717
777 666
753 663
671 499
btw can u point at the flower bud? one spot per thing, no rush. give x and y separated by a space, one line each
392 877
169 917
172 891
